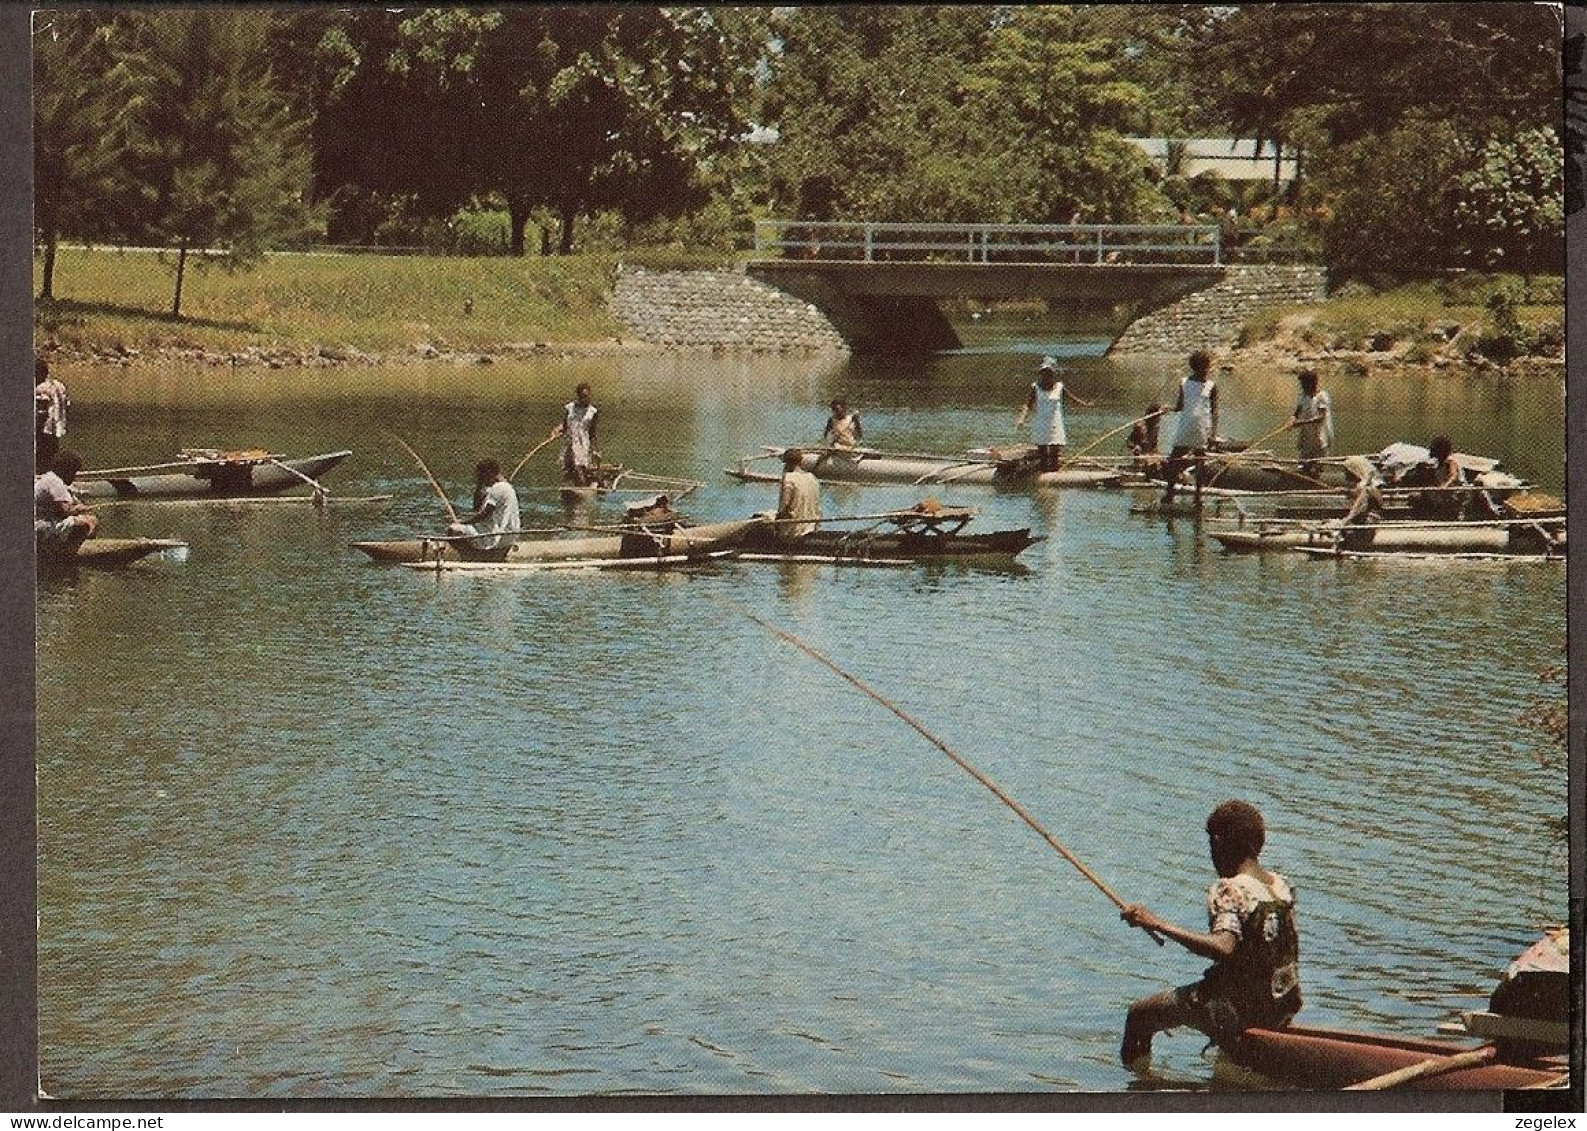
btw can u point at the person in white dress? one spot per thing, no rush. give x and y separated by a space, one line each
579 453
495 518
1044 407
1197 407
49 415
1313 423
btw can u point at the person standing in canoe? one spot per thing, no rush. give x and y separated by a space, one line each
49 415
1044 407
60 522
495 518
1251 939
579 453
798 498
1313 423
843 426
1197 407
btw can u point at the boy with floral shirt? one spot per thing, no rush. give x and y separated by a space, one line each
1250 937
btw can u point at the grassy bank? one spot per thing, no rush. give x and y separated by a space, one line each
1494 317
107 300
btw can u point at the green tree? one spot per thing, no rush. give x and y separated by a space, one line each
1510 208
218 159
80 96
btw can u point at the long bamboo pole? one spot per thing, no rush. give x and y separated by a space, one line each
1114 432
529 455
451 511
958 759
1422 1069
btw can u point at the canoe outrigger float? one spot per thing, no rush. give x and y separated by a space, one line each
1525 1033
986 468
1540 537
209 473
614 478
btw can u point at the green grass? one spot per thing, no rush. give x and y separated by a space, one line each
106 298
1413 312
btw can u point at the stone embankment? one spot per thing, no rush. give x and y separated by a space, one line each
1213 317
721 310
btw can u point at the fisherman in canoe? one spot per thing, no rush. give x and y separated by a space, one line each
843 428
1366 502
1313 423
1044 407
798 498
1197 406
579 453
1441 478
1251 939
495 518
60 522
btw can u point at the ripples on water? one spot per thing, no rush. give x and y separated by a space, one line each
314 828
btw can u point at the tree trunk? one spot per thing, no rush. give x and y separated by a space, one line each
569 214
545 240
47 285
181 267
518 220
1278 173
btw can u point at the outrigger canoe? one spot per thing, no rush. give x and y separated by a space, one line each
1524 1035
208 473
104 553
927 532
864 465
1529 537
666 540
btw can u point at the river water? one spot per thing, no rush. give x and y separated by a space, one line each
310 827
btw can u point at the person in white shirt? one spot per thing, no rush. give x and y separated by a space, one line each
843 427
1313 423
1044 407
49 415
579 453
1197 407
60 521
798 498
495 518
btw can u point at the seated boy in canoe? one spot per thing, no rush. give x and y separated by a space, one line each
60 523
1251 939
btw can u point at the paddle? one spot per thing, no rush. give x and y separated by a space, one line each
958 759
1422 1069
320 493
451 511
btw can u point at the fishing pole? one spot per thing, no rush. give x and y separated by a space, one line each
530 455
958 759
451 511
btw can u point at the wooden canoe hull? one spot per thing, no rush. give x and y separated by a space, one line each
629 564
686 540
1329 1059
864 468
1514 539
106 553
221 480
837 545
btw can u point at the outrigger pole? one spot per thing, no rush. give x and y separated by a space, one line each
958 758
451 511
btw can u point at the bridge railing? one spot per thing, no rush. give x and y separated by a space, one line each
889 242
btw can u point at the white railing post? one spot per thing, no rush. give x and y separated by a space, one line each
868 230
1217 246
1099 243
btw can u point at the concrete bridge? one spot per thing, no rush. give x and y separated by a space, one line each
880 283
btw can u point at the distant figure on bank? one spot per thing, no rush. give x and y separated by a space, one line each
798 498
1313 423
495 509
1197 407
60 522
1044 407
579 452
1251 939
843 428
49 415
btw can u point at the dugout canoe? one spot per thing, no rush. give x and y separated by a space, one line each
1523 1039
866 466
640 542
208 474
890 547
635 563
104 553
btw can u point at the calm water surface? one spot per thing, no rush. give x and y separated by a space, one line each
311 827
